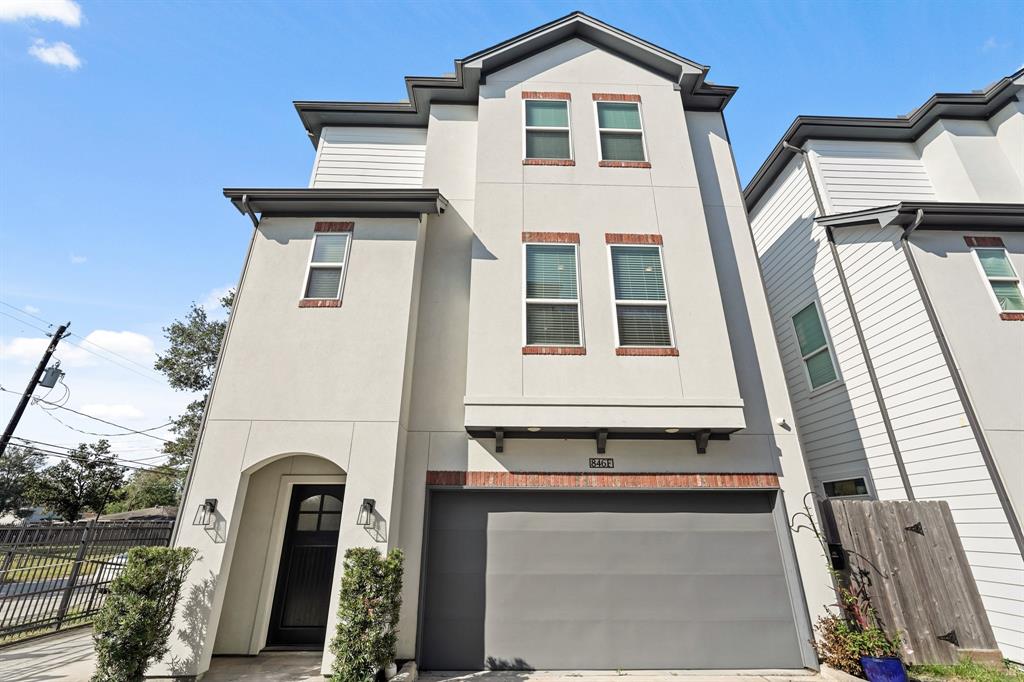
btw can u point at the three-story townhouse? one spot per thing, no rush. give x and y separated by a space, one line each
514 327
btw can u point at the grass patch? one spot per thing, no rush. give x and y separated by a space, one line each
967 670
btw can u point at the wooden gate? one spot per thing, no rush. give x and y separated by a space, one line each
909 557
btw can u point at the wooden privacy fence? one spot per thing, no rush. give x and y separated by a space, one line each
909 557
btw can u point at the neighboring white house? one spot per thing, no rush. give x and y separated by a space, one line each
892 251
514 327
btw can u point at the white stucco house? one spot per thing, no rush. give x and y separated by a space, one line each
892 251
515 327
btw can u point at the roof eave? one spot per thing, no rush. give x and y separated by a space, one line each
330 202
936 215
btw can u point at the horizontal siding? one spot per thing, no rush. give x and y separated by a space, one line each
857 175
937 444
370 157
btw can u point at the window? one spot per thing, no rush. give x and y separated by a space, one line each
819 367
547 129
552 296
319 512
641 302
326 265
621 132
1002 278
847 487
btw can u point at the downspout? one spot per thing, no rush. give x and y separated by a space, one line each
958 383
844 285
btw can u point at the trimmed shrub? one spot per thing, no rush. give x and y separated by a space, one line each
134 624
368 608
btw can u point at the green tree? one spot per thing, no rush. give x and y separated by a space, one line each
149 488
189 364
18 470
88 479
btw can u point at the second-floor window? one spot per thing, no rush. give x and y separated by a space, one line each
547 129
1002 278
552 307
641 302
819 367
621 131
327 265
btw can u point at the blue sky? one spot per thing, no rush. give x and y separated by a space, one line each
120 122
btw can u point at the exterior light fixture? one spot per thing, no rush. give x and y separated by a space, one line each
204 515
533 429
672 430
365 517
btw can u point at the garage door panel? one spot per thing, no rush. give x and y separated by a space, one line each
563 580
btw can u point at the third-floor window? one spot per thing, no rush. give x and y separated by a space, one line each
621 131
547 129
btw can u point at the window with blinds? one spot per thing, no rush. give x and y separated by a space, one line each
327 265
621 131
552 296
819 366
547 129
641 302
1002 278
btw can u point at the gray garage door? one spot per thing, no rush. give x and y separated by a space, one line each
604 581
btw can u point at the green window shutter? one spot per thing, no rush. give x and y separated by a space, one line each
547 113
622 147
552 324
643 325
551 271
820 370
1009 295
323 283
624 115
547 144
637 275
809 333
995 263
329 248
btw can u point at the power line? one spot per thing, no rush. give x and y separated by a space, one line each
165 470
69 448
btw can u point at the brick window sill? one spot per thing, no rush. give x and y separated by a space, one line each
320 303
548 162
554 350
624 164
1012 317
647 352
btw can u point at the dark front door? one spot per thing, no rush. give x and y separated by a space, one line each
305 577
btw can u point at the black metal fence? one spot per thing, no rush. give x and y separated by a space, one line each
54 577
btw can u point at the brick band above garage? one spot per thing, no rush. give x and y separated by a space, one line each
601 480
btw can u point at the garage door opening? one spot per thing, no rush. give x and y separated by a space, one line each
600 580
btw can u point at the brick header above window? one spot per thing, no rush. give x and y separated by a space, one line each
334 227
551 237
984 241
614 97
320 303
523 479
554 350
533 94
615 238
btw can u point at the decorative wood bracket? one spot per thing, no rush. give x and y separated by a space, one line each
602 440
702 441
499 440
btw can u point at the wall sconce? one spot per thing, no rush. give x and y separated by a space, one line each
204 515
365 517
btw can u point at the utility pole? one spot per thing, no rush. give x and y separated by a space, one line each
32 383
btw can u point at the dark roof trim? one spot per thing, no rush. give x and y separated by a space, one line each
464 86
972 105
341 203
938 215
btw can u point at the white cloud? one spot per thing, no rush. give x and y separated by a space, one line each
77 260
211 301
993 43
55 54
31 309
66 12
136 347
112 412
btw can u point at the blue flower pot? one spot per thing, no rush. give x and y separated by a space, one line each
887 669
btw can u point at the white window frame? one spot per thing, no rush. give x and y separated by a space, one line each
616 302
578 301
554 129
631 131
988 280
829 346
310 266
839 478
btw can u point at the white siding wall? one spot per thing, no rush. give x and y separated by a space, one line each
370 157
858 175
840 426
937 444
